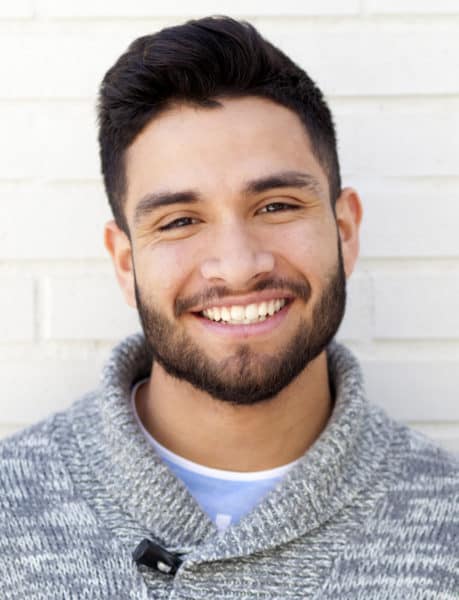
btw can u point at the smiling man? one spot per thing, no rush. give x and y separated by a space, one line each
231 451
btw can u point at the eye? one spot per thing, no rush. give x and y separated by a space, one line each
176 223
277 206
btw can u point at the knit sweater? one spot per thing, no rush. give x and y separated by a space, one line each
369 512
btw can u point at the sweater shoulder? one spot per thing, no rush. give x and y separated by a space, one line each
424 461
419 487
33 472
29 464
404 536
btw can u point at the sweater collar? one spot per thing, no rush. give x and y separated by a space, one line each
334 469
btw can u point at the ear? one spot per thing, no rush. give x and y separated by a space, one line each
348 218
119 247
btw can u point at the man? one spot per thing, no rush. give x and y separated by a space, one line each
231 451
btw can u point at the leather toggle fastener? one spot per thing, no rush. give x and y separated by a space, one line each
156 557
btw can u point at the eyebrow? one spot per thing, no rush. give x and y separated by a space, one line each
297 179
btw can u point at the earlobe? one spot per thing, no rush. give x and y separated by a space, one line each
349 213
119 248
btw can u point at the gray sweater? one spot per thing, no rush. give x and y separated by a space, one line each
370 511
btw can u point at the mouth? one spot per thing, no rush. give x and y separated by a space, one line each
249 314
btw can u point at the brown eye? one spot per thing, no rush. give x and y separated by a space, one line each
176 223
277 206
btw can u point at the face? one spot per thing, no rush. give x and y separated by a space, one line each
236 259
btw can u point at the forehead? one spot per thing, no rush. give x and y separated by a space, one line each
217 149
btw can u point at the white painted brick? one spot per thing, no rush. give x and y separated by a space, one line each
409 218
16 309
414 390
181 8
357 320
6 429
14 9
450 444
63 221
430 7
88 308
447 435
417 306
66 64
391 140
33 389
368 60
48 140
414 60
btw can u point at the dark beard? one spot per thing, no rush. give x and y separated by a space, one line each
246 377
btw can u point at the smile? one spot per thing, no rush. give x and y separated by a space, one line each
244 315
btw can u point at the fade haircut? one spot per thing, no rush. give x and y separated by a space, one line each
199 62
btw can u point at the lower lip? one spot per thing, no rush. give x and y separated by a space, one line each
245 331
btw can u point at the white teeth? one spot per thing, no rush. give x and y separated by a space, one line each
225 314
237 313
263 309
252 313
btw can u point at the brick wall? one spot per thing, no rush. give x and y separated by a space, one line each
390 69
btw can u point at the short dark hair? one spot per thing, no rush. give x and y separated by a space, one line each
198 62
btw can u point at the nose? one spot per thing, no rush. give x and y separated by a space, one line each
236 258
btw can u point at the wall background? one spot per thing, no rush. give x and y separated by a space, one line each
390 69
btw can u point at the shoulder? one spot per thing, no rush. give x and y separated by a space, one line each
419 497
414 489
405 532
425 490
31 467
425 467
52 539
33 472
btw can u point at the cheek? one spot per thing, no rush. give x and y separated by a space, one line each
310 250
165 268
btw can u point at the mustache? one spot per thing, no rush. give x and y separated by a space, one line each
300 290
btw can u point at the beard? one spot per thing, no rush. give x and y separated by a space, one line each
247 376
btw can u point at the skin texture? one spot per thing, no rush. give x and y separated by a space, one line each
228 246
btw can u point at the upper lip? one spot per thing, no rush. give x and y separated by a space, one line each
255 298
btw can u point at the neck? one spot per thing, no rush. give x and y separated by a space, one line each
216 434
